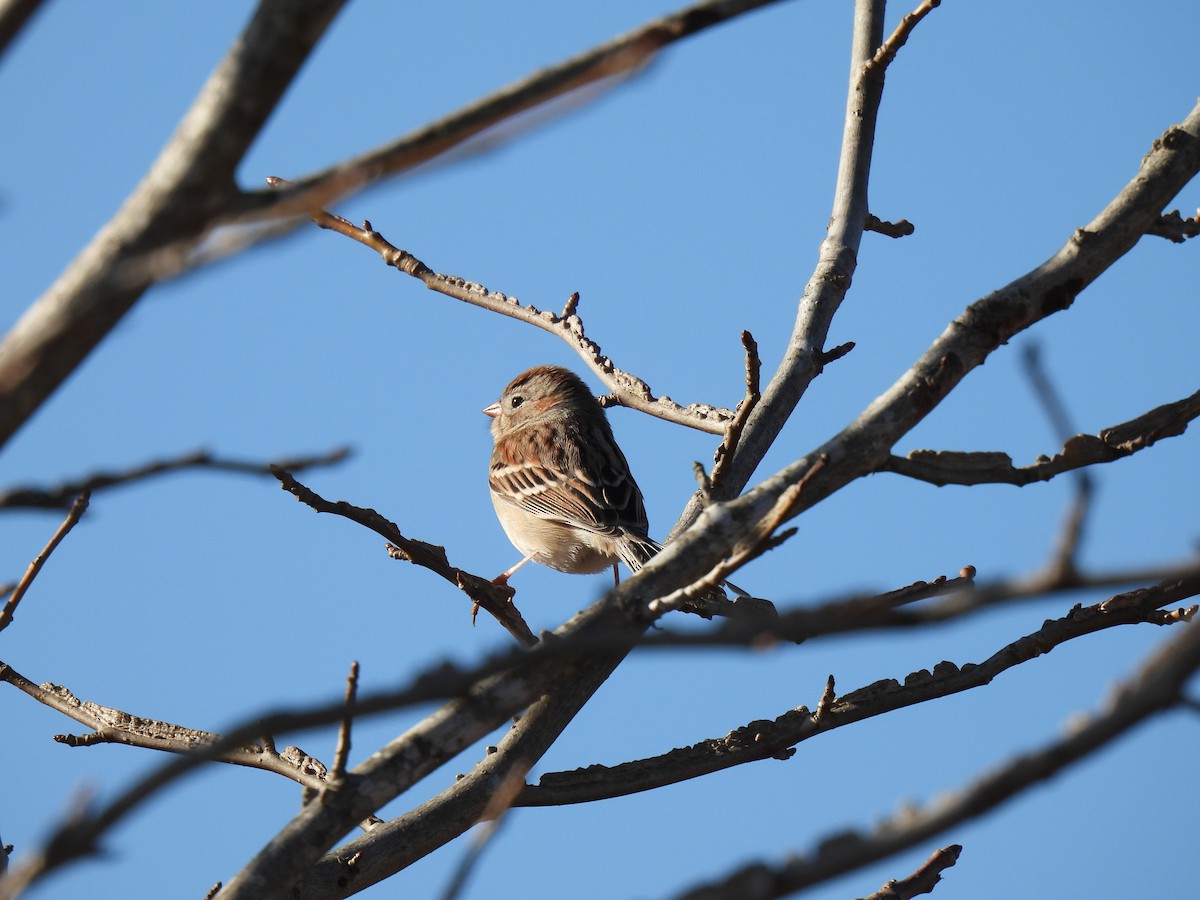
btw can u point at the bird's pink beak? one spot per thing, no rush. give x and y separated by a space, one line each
493 410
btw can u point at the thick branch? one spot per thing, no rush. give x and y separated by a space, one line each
836 262
14 15
859 450
191 180
616 58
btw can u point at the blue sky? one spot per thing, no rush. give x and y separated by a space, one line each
684 206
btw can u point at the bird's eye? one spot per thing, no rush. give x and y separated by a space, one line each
516 401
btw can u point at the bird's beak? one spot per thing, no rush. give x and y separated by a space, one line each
493 410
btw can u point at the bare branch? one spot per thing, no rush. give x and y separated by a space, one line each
493 598
1175 228
777 739
942 467
493 816
59 496
14 15
887 52
733 430
615 59
189 183
342 753
759 541
14 600
1153 688
628 390
923 880
836 263
985 325
900 229
114 726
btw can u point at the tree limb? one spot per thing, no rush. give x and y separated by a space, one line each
923 880
628 390
113 726
15 15
943 467
616 58
491 597
59 496
1153 688
777 739
858 451
191 180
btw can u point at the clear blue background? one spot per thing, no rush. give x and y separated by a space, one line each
686 205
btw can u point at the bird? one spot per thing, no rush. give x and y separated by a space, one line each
559 482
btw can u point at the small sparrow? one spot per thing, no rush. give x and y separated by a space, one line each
559 482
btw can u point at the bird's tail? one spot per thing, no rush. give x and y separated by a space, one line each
636 552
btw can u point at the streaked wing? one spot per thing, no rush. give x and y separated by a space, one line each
583 485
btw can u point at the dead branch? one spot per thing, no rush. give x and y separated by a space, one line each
483 593
14 14
114 726
60 495
943 467
923 880
615 59
777 739
189 183
900 229
14 599
627 390
1175 228
1153 688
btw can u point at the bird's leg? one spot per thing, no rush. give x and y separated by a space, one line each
502 579
616 575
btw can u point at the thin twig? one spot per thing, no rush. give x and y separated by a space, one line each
733 431
115 726
900 229
923 880
60 496
886 53
627 390
1175 228
494 815
73 516
342 754
493 598
1067 549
